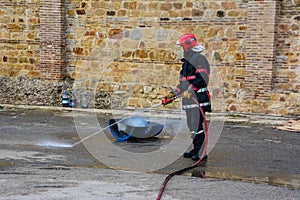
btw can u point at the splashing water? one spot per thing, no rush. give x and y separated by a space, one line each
54 144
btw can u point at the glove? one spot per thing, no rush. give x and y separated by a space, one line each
187 94
170 95
168 99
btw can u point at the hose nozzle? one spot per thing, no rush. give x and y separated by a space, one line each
165 100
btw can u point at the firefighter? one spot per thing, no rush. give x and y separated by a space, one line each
193 81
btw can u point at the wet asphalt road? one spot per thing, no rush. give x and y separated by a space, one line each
244 152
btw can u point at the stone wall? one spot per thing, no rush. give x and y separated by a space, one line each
122 53
19 38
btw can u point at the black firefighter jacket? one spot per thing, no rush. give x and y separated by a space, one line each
194 76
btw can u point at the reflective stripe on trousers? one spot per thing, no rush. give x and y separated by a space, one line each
196 133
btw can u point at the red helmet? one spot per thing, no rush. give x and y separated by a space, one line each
187 41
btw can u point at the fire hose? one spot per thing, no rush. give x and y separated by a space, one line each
178 172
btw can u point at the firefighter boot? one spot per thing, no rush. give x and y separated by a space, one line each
197 157
197 142
189 154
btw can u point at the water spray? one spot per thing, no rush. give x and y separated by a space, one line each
62 145
97 132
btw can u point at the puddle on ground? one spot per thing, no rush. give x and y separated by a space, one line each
281 180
